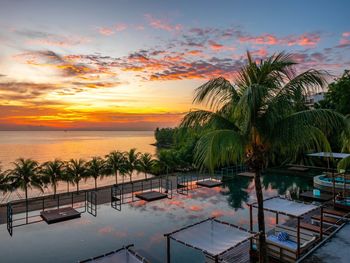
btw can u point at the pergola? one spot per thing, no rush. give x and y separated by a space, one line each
213 237
123 255
282 206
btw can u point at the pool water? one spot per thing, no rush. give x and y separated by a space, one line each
142 224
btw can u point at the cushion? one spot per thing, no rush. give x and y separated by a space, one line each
282 236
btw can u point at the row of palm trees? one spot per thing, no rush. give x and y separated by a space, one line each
28 173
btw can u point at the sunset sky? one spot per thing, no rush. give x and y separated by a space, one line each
133 65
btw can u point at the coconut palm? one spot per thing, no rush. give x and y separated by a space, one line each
131 162
95 168
115 163
4 182
146 163
24 175
76 170
66 177
255 119
52 171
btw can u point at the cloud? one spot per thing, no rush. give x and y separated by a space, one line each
108 31
306 39
344 41
49 39
161 24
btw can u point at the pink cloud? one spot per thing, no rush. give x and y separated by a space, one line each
58 41
346 34
106 31
306 39
162 24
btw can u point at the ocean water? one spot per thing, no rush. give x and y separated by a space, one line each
47 145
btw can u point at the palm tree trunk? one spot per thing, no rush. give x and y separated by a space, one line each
26 196
54 189
67 186
145 175
95 183
116 177
261 219
77 186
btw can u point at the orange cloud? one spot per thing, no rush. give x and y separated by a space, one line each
106 31
307 39
162 24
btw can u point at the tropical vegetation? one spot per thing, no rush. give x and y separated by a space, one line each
258 118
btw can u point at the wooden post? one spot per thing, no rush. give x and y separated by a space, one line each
321 224
298 238
216 259
276 218
251 217
167 249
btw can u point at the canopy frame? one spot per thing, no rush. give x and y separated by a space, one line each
298 217
216 257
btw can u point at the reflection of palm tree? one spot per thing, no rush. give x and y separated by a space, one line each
237 191
131 162
76 170
115 163
52 173
25 175
146 163
260 116
96 168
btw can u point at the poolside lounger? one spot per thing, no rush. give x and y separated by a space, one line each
314 228
327 219
335 213
286 251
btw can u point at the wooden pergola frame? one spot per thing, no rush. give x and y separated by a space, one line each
277 213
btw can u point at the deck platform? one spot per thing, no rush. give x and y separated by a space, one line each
298 169
59 215
247 174
209 183
151 196
309 195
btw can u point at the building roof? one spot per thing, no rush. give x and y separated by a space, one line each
330 155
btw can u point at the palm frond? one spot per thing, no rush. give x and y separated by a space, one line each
344 164
219 147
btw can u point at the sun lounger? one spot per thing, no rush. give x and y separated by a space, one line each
286 251
313 228
327 219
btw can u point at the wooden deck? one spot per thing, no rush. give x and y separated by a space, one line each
151 196
309 195
209 183
298 169
59 215
247 174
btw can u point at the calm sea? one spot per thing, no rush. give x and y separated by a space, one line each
48 145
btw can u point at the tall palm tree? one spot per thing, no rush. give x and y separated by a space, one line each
24 175
66 177
76 169
256 119
52 171
4 182
115 163
95 168
146 163
131 162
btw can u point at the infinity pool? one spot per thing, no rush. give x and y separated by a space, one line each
140 223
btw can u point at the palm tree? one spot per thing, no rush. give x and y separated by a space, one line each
4 181
76 169
146 163
115 163
24 175
95 168
66 177
52 172
131 162
255 119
